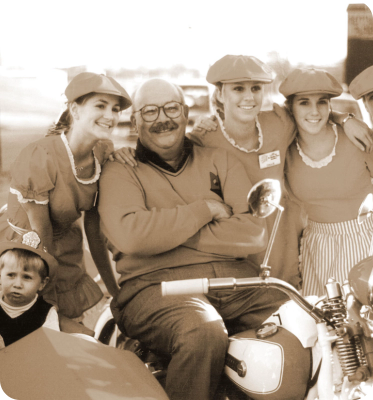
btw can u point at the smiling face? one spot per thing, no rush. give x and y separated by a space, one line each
242 100
311 112
98 115
19 283
165 135
368 102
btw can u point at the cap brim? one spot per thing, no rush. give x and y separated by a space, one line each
49 259
126 103
331 94
262 80
364 93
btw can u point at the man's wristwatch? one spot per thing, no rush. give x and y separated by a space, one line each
349 115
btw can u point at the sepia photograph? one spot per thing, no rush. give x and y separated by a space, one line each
186 200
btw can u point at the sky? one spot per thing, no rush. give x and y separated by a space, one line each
162 33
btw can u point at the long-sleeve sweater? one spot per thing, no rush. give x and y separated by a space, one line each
156 218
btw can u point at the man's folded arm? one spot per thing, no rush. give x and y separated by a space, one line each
237 236
135 230
241 234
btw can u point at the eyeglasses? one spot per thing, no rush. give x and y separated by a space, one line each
151 112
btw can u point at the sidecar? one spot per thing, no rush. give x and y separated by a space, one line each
54 365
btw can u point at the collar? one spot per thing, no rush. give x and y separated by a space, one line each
233 142
147 156
325 161
72 162
15 312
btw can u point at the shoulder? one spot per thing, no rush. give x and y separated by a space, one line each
343 138
218 156
114 172
278 114
344 144
46 145
39 155
113 167
37 164
210 152
279 121
207 138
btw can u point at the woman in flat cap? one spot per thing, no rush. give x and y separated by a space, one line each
329 177
362 87
260 140
55 179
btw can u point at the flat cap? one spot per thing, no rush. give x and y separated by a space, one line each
239 68
362 84
89 82
310 80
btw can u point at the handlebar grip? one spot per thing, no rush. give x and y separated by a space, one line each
187 286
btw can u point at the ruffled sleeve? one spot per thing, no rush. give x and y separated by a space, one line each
102 150
33 175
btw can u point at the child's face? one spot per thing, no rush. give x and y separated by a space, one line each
19 286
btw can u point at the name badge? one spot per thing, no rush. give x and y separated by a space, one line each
269 159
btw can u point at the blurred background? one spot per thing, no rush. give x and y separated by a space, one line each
44 44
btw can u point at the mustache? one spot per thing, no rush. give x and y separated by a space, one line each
162 126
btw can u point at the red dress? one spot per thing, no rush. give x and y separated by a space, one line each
44 173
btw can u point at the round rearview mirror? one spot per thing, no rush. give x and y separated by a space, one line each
361 281
264 197
365 209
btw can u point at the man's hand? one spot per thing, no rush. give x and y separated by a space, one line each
125 155
218 210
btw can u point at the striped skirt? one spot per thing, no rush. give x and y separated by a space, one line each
330 250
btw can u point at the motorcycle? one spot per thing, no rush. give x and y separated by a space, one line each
335 332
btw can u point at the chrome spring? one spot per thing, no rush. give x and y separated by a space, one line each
347 356
338 311
350 353
359 351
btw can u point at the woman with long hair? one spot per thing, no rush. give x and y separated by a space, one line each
55 180
329 177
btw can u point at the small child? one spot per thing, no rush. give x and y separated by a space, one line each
25 269
362 87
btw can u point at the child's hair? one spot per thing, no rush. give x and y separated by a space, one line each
28 260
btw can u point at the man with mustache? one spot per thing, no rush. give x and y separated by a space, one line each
181 213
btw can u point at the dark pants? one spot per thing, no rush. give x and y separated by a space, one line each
193 329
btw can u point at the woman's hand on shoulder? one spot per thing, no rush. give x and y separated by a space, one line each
125 155
203 125
359 134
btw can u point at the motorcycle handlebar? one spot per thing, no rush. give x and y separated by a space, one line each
187 286
204 285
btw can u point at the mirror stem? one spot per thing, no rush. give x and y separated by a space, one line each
265 270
